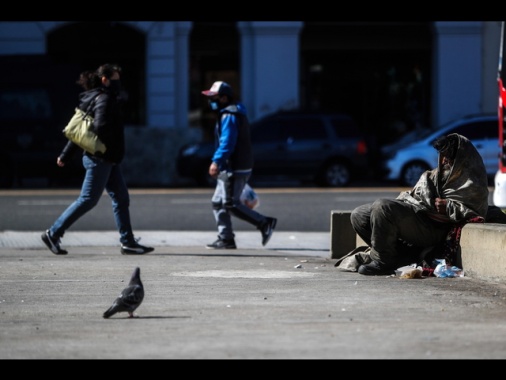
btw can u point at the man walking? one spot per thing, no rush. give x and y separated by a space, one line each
231 166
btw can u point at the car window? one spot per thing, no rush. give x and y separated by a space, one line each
414 135
478 130
265 131
344 127
303 128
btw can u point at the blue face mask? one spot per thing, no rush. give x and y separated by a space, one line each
214 105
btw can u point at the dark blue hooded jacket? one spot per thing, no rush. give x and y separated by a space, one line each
232 138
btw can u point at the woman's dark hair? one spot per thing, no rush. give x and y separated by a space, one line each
107 70
88 79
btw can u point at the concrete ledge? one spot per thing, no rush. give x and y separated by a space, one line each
483 245
342 236
484 250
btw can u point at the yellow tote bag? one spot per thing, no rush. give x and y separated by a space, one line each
79 130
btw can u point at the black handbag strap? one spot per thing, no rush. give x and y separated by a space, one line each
90 106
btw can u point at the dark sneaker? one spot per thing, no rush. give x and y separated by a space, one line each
222 244
267 229
375 269
134 248
53 244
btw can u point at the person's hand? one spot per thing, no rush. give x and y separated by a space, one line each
59 162
440 204
214 170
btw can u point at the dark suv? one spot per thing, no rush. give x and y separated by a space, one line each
325 148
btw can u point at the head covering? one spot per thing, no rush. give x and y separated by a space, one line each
219 88
447 145
466 187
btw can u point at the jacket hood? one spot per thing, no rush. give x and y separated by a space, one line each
235 108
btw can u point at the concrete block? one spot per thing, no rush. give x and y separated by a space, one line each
342 235
484 250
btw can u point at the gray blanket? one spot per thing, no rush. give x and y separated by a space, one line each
466 188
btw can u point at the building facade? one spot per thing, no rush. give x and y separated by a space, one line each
267 67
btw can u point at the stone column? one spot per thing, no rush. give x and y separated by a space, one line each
269 66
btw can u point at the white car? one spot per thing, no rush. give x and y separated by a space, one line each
405 160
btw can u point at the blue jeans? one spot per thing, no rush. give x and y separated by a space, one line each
99 175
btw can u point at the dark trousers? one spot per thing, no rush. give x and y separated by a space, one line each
395 231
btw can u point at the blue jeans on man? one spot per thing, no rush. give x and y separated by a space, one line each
226 202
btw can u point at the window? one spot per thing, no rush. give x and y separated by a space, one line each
344 127
304 128
478 130
265 131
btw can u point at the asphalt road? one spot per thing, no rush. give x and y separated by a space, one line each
297 209
186 209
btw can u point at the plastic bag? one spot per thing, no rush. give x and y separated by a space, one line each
443 270
249 197
409 271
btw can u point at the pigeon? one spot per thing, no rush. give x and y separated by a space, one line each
130 297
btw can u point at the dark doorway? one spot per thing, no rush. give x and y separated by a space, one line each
214 55
379 72
87 45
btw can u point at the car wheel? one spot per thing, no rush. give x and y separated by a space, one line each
412 172
334 174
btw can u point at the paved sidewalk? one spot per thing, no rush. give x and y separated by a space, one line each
313 243
282 301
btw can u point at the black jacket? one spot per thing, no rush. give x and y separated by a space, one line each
108 124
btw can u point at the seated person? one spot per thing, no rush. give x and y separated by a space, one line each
398 230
